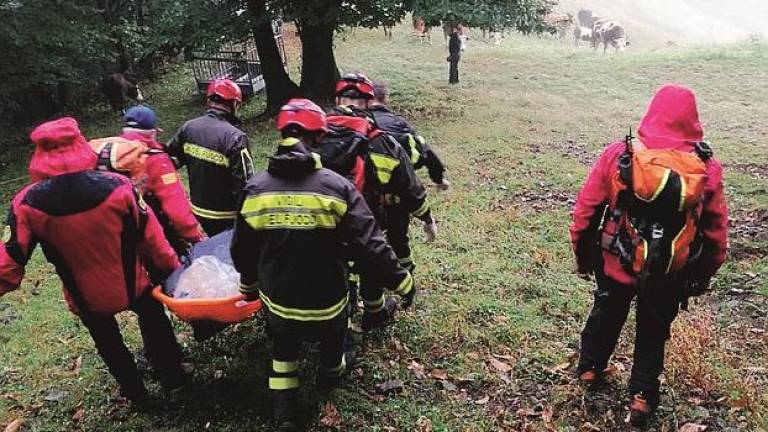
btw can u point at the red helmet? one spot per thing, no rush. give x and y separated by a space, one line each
357 82
225 89
302 113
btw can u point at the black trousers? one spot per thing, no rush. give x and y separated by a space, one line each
657 307
453 74
287 337
162 349
398 223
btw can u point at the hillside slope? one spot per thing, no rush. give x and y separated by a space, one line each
655 22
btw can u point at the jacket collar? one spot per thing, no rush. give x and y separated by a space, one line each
223 115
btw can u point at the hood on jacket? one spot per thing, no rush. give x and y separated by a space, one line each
293 160
60 148
672 120
147 136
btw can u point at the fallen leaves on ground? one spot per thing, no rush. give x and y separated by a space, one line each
390 387
424 424
15 425
692 427
76 365
417 369
504 370
438 374
331 417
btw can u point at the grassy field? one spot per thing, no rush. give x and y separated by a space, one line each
492 342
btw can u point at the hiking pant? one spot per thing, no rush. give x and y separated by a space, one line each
657 306
287 337
160 344
398 223
453 74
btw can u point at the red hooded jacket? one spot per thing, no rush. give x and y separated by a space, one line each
672 122
163 184
92 226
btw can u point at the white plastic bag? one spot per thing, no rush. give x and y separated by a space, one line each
207 278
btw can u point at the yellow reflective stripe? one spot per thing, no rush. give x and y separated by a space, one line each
415 155
682 195
385 165
289 142
205 154
405 286
293 210
305 314
406 260
285 367
422 210
213 214
283 383
672 250
249 288
374 306
318 160
656 194
247 163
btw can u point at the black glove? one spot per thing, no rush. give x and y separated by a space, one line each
185 260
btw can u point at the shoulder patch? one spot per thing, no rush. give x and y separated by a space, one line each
7 234
169 178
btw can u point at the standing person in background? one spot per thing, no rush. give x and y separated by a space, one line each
298 227
95 229
217 157
454 55
651 222
157 180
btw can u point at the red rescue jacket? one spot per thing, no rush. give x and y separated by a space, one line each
162 184
672 122
92 226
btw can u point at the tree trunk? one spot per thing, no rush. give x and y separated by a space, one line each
319 72
279 86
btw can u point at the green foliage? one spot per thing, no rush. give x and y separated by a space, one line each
61 48
523 15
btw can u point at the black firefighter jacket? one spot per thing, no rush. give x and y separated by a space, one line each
395 176
298 227
218 161
420 152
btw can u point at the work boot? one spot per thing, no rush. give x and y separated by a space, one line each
382 318
325 382
639 411
286 410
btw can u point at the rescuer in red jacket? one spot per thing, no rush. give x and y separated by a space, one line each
672 122
162 188
95 229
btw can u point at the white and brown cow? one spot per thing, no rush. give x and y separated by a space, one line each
610 32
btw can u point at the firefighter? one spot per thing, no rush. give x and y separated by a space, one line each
394 181
157 179
298 226
217 157
97 232
607 214
421 155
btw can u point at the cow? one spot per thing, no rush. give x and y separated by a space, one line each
119 88
558 23
583 34
610 32
587 18
421 30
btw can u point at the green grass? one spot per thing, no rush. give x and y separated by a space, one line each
518 136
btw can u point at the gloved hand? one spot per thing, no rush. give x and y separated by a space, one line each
444 186
430 229
407 300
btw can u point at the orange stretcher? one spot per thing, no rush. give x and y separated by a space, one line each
226 310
